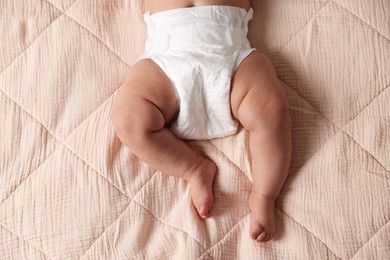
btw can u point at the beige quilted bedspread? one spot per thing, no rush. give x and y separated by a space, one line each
70 190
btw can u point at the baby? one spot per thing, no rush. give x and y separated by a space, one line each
197 79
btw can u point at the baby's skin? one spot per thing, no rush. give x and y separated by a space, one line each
146 103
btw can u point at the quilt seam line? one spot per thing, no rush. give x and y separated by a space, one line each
98 39
29 114
358 143
338 129
62 13
234 228
365 150
146 183
90 114
361 19
342 131
173 227
27 177
365 244
60 143
25 241
300 30
83 27
95 170
231 162
317 151
39 35
308 231
367 106
131 201
105 230
316 109
48 1
48 132
342 128
32 42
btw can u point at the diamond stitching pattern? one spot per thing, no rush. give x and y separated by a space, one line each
338 2
365 244
42 31
303 28
308 231
65 144
24 241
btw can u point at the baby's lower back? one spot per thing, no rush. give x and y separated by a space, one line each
154 6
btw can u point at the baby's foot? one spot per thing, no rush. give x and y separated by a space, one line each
262 217
201 184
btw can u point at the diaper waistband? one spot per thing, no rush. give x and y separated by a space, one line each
215 27
224 15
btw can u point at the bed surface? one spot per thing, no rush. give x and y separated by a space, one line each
70 190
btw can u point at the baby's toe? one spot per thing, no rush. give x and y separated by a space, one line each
204 212
268 237
262 237
256 233
203 206
255 229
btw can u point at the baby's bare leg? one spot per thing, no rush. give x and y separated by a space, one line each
146 102
261 105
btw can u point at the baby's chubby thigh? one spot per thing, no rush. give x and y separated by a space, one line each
145 102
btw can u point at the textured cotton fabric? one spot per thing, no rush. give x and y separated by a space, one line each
70 190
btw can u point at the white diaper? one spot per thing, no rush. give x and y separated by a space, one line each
199 48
